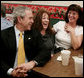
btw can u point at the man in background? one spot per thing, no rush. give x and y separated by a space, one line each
4 22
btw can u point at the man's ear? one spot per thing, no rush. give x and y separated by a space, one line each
19 19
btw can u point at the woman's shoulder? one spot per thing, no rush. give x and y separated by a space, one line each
60 23
79 27
35 32
79 30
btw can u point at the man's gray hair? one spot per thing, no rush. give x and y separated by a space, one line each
19 11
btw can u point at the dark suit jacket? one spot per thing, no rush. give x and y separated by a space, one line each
33 48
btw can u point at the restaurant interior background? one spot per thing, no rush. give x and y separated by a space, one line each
57 9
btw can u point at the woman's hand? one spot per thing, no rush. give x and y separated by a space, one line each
53 30
69 29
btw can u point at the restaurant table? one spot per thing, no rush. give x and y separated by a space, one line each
54 68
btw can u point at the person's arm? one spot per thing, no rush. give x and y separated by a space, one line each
43 55
4 66
76 41
27 66
54 30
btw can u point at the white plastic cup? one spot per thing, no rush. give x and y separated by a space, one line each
65 54
78 66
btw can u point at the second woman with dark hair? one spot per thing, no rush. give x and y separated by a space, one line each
42 25
69 33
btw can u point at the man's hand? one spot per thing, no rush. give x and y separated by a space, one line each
19 73
26 66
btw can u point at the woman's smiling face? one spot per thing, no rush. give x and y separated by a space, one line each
45 20
73 16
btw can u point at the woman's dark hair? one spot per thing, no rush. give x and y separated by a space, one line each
78 9
37 25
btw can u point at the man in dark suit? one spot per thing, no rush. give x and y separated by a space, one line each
34 54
